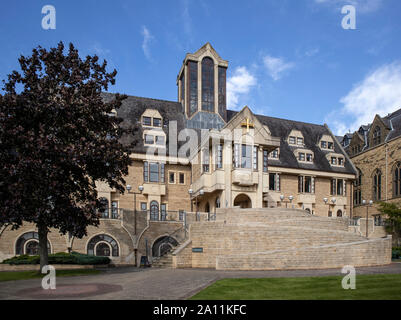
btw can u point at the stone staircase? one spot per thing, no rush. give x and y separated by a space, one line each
165 261
277 238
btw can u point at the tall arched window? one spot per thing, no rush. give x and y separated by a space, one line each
377 136
358 189
104 211
28 244
103 245
154 211
207 84
397 180
377 185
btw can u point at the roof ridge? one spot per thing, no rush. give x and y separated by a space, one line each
132 96
277 118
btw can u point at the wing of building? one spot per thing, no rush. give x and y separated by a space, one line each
375 150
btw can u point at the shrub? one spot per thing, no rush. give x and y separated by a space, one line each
396 253
59 258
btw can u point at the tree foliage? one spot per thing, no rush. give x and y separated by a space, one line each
392 211
57 140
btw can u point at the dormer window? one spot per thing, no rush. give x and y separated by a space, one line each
377 136
326 144
340 161
301 156
274 154
157 122
300 141
309 157
292 140
334 161
147 121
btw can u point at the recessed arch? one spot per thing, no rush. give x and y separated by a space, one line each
31 239
162 245
243 201
93 243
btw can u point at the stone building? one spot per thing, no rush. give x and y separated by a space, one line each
375 150
195 155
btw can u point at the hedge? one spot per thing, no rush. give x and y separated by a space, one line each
59 258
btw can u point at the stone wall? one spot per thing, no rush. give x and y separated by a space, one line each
383 157
363 253
265 239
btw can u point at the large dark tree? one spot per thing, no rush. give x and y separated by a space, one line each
58 137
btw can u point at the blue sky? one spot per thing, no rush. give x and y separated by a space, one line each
287 58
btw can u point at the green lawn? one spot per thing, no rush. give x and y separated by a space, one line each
23 275
368 287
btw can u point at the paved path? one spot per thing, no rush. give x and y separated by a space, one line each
159 284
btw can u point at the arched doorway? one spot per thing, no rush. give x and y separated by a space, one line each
163 245
339 213
243 201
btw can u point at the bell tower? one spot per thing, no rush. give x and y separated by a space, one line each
202 88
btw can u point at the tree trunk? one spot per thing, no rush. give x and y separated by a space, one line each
43 253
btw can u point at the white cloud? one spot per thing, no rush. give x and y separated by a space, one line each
312 52
379 93
363 6
147 39
276 66
239 84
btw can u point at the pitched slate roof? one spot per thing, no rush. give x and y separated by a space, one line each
133 107
391 121
312 134
394 120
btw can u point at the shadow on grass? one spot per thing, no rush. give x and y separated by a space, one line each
24 275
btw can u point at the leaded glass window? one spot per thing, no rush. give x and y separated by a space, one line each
28 243
377 185
207 84
104 210
193 87
154 211
101 244
246 157
255 158
219 156
397 180
265 160
222 92
377 136
153 172
236 155
145 171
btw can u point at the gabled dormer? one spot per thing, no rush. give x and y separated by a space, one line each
326 143
356 145
378 132
296 139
